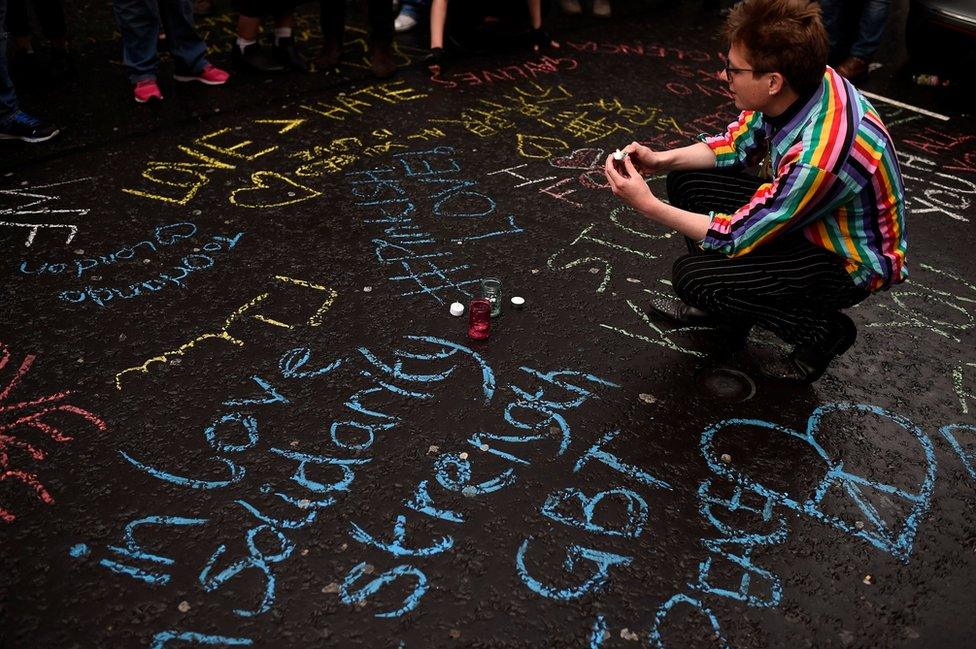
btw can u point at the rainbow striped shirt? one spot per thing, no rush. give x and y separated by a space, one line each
836 179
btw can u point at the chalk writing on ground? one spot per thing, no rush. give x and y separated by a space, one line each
37 415
31 203
421 262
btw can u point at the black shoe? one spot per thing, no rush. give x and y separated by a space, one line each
806 364
540 40
21 126
381 60
328 58
677 312
284 53
254 59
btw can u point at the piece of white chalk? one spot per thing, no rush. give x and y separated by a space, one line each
619 155
457 309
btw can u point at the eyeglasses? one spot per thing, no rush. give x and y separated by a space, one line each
730 71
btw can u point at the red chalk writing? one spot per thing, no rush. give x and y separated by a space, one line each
30 415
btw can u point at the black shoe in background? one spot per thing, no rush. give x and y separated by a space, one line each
807 364
381 60
254 59
21 126
285 54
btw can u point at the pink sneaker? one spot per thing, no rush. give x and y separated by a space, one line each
147 90
210 75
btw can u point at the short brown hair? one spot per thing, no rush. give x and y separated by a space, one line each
785 36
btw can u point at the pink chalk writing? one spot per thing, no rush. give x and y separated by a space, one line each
30 414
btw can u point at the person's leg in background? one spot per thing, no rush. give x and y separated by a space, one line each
187 48
381 38
831 12
332 19
438 18
870 29
54 27
139 25
22 63
247 53
539 38
15 124
284 51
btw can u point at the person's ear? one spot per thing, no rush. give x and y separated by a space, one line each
776 82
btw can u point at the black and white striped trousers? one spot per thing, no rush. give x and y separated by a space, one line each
788 286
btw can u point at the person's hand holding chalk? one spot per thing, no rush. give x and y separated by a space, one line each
644 160
628 184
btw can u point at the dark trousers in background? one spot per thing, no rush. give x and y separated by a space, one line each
261 8
333 17
140 22
789 286
50 14
8 98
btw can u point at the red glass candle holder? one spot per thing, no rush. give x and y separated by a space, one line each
479 318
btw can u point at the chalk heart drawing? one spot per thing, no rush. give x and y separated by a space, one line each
884 515
270 189
579 159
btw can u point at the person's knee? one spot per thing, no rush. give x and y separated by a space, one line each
684 278
677 196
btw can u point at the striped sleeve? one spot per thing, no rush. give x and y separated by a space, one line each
739 140
798 195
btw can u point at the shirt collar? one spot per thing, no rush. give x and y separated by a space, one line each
784 127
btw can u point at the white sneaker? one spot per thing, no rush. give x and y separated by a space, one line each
601 8
404 23
571 6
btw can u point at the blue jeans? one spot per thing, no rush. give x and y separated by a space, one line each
870 26
8 98
140 22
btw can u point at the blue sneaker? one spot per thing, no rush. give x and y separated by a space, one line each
21 126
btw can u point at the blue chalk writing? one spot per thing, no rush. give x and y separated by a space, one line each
668 606
278 522
896 542
236 473
247 422
410 603
161 639
446 465
422 502
397 547
596 452
257 560
636 511
603 561
270 395
598 632
79 550
487 376
304 459
294 360
968 459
